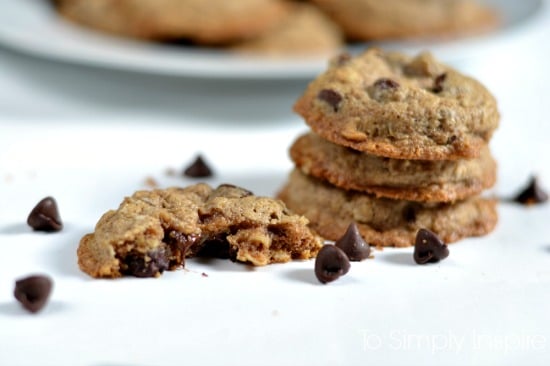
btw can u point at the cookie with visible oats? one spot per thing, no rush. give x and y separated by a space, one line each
375 19
413 180
304 31
153 231
392 105
383 221
202 21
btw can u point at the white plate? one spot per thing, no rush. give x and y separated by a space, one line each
31 26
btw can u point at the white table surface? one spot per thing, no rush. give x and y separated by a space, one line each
90 136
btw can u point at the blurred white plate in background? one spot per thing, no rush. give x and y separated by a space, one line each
31 26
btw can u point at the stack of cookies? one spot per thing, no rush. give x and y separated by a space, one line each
397 144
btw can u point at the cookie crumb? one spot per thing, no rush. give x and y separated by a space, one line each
204 274
151 182
171 172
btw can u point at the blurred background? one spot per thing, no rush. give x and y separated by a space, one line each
52 68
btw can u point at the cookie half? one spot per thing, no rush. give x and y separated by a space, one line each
202 21
392 105
383 221
413 180
374 19
153 231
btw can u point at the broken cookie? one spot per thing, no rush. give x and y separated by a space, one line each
153 231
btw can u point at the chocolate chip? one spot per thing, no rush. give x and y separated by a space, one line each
330 96
429 248
438 83
532 194
45 216
217 247
137 265
385 90
353 244
179 240
385 83
179 244
33 292
198 169
331 263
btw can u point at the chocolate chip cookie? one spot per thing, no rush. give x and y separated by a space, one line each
374 19
413 180
396 106
383 221
202 21
304 31
153 231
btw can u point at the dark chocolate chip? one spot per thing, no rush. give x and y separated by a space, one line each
33 292
353 244
438 83
429 248
198 169
385 83
451 140
138 266
333 98
532 194
331 263
179 244
217 247
45 216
